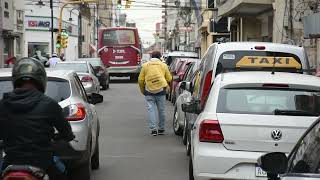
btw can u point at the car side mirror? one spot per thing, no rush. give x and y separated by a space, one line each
191 107
273 163
185 85
95 98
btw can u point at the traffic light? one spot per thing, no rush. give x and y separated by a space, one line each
58 44
128 3
64 39
119 4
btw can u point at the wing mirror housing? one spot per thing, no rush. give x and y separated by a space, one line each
274 164
192 107
95 98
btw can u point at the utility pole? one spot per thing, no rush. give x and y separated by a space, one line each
52 39
61 12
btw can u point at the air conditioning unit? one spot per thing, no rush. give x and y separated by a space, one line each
311 26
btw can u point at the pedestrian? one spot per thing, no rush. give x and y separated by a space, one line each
10 61
53 60
62 57
153 81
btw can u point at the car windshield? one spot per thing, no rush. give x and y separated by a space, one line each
268 101
118 37
57 89
77 67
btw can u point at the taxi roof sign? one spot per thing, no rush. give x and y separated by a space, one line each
268 61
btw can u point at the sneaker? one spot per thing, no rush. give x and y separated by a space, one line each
160 132
154 133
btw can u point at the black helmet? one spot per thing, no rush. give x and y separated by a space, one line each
29 69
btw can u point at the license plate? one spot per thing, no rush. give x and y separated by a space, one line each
260 172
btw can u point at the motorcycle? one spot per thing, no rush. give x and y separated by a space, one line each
24 172
28 172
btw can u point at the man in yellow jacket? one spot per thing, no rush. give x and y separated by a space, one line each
153 80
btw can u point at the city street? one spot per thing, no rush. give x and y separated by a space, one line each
127 150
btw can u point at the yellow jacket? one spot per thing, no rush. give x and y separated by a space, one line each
154 76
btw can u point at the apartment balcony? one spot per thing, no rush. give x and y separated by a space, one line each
242 8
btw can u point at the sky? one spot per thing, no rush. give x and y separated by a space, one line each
145 17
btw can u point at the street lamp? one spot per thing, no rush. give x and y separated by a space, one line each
40 3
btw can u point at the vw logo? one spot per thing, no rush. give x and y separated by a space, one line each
105 49
276 134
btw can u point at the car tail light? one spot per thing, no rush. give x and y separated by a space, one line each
18 176
206 88
210 131
76 112
260 47
86 79
276 85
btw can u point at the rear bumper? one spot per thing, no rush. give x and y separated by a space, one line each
124 70
214 161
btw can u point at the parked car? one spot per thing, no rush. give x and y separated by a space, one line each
101 71
244 56
86 73
246 115
171 56
184 96
178 77
303 161
65 87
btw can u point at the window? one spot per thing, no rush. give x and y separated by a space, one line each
6 14
118 37
77 67
305 158
57 89
6 5
266 101
33 47
210 3
80 88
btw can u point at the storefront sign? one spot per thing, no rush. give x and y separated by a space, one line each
44 23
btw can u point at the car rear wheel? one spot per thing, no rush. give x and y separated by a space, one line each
185 131
95 160
176 127
191 177
83 172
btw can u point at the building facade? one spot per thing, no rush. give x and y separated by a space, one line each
11 29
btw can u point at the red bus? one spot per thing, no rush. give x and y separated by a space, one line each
120 51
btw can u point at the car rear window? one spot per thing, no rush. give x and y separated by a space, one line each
266 101
260 60
57 89
77 67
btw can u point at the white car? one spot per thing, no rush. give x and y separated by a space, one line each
246 115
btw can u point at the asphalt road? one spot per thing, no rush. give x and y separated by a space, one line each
127 150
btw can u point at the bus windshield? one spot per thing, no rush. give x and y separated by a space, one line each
118 37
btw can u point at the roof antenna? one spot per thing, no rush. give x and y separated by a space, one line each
273 65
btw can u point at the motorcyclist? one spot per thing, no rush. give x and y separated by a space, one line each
28 118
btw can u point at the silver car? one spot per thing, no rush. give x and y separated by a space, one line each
82 154
179 120
85 72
